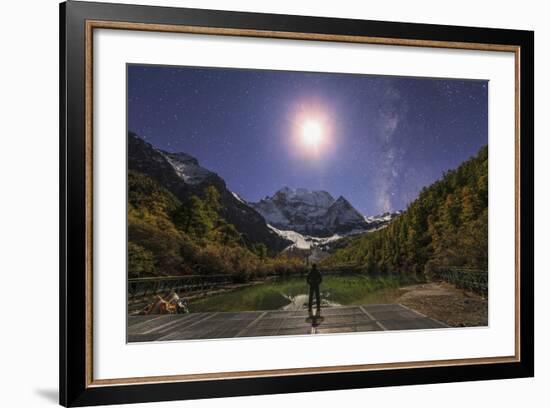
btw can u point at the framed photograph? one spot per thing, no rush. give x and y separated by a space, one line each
256 204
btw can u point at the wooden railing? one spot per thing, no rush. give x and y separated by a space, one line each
470 279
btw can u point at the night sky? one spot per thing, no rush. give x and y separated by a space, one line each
376 140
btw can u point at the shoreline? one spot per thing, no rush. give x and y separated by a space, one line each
445 302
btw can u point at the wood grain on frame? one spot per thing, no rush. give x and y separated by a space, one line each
99 24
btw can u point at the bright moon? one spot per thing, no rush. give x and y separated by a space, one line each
312 133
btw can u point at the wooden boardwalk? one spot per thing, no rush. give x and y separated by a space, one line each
215 325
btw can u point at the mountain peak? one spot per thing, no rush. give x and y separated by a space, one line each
183 157
181 174
300 191
187 167
311 212
285 190
345 205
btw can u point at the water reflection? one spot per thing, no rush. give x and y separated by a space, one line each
292 295
300 302
315 319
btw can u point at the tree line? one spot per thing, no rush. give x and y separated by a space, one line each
446 226
168 237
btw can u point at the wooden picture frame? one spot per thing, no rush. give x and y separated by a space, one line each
78 20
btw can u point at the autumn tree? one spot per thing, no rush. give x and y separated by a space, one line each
445 226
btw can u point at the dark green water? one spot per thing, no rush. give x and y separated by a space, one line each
292 294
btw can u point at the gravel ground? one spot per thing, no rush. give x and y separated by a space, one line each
446 303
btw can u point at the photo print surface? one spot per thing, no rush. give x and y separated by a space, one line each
269 203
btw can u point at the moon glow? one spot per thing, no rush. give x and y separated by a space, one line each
311 134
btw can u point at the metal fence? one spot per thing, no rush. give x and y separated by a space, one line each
469 279
144 287
141 287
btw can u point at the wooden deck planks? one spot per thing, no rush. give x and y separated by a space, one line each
341 319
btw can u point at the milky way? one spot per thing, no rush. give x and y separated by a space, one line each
390 136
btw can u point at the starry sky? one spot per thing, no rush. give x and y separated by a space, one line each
382 138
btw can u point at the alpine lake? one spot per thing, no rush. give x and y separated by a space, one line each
292 294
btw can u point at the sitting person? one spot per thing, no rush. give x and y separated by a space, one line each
159 306
182 306
173 304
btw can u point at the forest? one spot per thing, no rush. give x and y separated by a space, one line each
446 226
167 237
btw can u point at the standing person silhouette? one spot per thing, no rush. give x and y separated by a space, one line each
314 279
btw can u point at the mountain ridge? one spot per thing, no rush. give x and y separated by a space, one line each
182 175
314 213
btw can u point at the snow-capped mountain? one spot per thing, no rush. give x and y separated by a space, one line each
187 167
314 248
300 241
182 175
309 242
314 213
343 217
289 208
378 221
292 218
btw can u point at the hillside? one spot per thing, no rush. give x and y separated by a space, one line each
445 226
169 237
182 175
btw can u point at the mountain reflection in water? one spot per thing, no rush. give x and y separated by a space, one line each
299 302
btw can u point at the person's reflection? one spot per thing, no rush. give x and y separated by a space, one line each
315 318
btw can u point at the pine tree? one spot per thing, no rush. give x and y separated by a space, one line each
470 205
193 217
212 204
445 226
140 261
